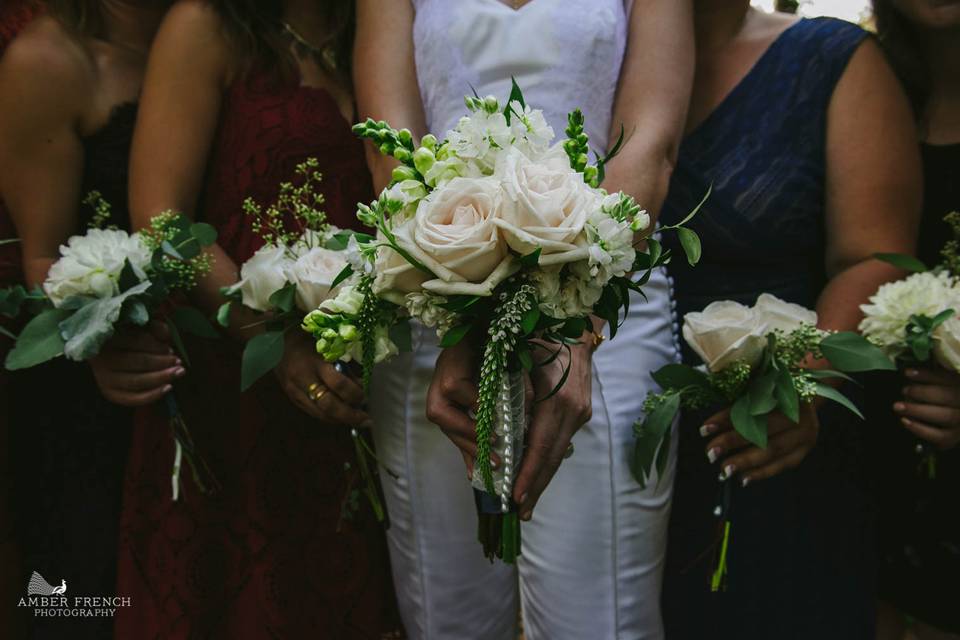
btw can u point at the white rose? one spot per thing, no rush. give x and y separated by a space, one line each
550 206
724 333
886 317
774 313
90 265
395 276
946 343
455 236
262 275
313 273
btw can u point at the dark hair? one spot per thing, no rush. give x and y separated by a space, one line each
903 44
82 16
255 28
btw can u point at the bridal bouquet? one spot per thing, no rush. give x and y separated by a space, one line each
299 271
914 320
498 236
107 278
755 361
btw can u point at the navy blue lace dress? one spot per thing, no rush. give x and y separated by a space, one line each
799 557
69 445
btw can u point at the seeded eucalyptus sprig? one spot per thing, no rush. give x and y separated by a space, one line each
300 204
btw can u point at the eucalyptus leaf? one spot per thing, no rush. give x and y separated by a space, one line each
85 331
828 392
852 353
203 233
261 355
39 341
135 312
223 314
761 392
190 320
752 427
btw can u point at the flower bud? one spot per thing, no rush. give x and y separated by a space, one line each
349 333
402 173
590 175
491 104
406 138
423 159
402 154
429 141
386 148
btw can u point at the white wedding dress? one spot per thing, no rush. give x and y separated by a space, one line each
593 554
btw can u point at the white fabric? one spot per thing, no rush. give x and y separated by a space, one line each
593 554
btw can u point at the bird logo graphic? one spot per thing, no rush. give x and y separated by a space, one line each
40 587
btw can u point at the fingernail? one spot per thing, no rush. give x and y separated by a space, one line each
524 497
729 470
526 516
494 464
745 482
713 454
179 372
911 373
899 407
905 422
178 363
168 388
722 477
707 429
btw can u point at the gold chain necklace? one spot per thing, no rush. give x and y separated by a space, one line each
324 56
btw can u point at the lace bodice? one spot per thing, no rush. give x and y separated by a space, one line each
564 54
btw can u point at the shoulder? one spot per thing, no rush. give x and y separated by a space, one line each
192 33
46 67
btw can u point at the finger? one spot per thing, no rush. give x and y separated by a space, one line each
160 331
932 375
302 399
337 411
127 399
345 387
541 460
789 461
942 438
933 394
138 341
717 423
730 441
459 391
451 419
779 446
139 362
948 417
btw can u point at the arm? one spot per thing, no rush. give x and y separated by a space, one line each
385 75
873 198
652 99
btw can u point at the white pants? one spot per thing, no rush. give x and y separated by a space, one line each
593 553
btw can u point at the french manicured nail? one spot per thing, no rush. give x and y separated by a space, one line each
179 372
899 407
745 481
524 497
911 373
526 515
707 429
729 470
168 388
905 422
713 455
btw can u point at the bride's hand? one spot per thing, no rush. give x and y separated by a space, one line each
452 394
316 387
788 444
555 421
931 406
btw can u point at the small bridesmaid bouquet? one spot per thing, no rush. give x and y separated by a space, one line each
107 278
914 320
301 278
498 236
756 361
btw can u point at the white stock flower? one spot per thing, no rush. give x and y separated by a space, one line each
480 137
610 246
347 302
724 333
886 317
426 308
550 205
90 265
531 131
262 275
774 313
946 343
455 236
407 194
313 273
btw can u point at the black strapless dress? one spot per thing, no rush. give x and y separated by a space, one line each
68 444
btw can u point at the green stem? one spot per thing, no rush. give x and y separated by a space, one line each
718 580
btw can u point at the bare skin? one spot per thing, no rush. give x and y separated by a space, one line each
190 67
872 203
651 104
56 88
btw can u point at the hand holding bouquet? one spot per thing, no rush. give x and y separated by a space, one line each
496 236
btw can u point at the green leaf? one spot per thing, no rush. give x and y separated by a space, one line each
39 341
515 94
690 242
459 304
695 211
223 314
761 391
901 261
345 273
453 336
663 456
651 434
851 352
750 426
11 299
177 340
828 392
827 374
136 313
284 299
573 328
261 355
788 400
940 318
680 376
128 277
203 233
92 325
402 335
170 250
190 320
529 320
523 355
532 259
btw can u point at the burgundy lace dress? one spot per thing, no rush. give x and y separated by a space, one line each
271 556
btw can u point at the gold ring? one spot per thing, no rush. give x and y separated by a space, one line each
315 391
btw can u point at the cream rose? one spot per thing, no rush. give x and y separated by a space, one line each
262 275
724 333
946 343
395 276
774 313
550 205
455 236
313 273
